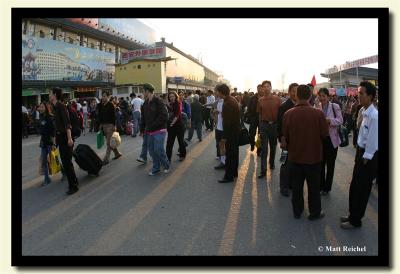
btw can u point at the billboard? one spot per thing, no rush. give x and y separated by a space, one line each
129 27
354 64
45 59
151 53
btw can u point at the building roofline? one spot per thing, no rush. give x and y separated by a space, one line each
171 46
95 33
146 59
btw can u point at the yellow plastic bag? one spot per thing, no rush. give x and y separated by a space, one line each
54 162
258 141
115 140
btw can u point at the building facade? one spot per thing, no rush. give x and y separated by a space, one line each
166 67
77 54
351 77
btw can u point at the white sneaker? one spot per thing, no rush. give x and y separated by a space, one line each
166 171
141 160
217 158
153 173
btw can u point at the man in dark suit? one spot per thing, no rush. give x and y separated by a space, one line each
231 130
253 115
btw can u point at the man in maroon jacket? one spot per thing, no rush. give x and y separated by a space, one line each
231 130
304 129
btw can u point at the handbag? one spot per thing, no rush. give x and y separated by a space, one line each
244 137
100 139
54 162
342 131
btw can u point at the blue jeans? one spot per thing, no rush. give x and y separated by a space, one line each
44 152
268 135
157 151
145 147
136 121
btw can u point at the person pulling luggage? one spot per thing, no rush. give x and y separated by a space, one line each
106 120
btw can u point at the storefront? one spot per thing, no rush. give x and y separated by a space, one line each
82 92
34 96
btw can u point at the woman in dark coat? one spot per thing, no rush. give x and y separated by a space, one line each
175 126
47 135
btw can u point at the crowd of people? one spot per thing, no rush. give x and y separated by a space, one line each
305 125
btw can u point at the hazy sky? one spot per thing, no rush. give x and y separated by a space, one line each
248 51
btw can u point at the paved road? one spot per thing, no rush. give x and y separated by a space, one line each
126 212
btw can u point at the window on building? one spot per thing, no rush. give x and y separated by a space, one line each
92 45
70 40
61 36
53 34
134 67
124 68
154 65
139 66
148 65
110 50
120 68
31 29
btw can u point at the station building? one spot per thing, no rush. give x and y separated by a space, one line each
166 67
76 54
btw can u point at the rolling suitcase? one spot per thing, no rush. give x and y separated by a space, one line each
87 159
284 180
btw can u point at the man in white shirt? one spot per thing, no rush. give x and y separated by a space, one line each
219 133
78 106
85 115
366 162
136 113
208 119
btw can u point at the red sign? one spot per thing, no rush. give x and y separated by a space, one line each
153 53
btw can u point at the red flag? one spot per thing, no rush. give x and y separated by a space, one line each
313 81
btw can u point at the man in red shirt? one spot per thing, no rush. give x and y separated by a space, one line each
304 129
267 108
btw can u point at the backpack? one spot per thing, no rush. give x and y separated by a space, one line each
76 122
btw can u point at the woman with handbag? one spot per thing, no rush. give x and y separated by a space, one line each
47 135
175 126
334 119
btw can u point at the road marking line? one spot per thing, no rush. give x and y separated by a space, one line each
65 227
228 239
67 203
120 231
254 202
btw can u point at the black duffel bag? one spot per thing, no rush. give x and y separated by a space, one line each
244 137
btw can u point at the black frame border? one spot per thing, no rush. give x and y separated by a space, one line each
384 29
